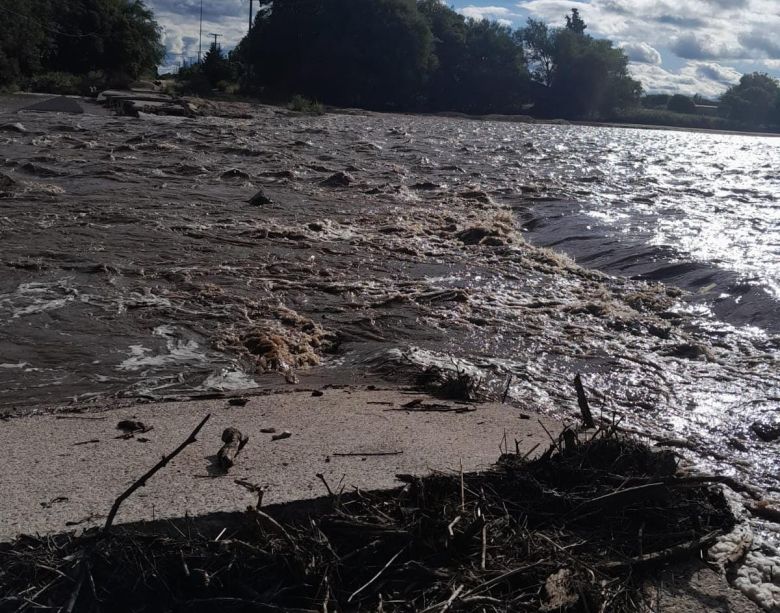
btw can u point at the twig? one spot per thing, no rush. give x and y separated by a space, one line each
452 524
321 477
483 557
373 453
582 400
506 390
660 556
452 598
276 525
142 481
379 574
462 490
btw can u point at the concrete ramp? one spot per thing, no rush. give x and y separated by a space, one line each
60 104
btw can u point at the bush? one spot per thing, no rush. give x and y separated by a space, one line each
299 104
62 83
681 104
198 84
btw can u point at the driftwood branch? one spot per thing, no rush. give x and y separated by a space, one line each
663 555
234 443
142 481
582 400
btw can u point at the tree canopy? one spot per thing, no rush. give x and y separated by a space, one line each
77 36
582 76
754 100
422 55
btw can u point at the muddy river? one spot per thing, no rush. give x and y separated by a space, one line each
166 257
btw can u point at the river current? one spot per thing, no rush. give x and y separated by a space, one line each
164 257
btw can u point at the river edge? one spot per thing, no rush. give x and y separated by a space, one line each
588 299
333 439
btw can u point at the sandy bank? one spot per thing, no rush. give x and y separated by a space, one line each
63 471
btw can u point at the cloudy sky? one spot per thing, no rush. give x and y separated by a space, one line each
688 46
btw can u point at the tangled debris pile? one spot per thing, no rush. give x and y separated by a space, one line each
571 530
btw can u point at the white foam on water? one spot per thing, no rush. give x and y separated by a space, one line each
228 379
37 297
179 351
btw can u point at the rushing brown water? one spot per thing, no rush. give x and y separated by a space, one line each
133 264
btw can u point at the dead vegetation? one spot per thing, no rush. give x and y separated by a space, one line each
574 530
285 343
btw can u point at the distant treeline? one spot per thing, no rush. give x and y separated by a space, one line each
420 55
754 103
100 41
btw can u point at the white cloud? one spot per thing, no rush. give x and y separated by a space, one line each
499 13
706 33
706 78
641 53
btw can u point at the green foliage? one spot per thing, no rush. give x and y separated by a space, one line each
575 23
216 67
118 37
681 104
56 83
373 54
299 104
662 117
422 55
755 100
655 101
581 76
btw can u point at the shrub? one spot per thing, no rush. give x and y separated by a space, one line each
681 104
299 104
62 83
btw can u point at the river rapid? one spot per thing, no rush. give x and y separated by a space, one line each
134 262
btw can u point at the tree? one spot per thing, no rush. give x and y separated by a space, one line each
374 54
479 66
681 104
216 66
575 23
582 76
539 42
77 36
754 100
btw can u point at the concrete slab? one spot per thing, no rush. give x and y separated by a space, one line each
60 104
63 471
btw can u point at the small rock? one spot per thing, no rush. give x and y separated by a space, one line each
316 226
234 175
281 436
339 179
766 432
129 426
267 430
260 199
317 393
238 402
475 235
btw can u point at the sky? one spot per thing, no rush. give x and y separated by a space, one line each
675 46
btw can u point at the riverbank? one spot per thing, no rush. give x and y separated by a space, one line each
169 258
67 468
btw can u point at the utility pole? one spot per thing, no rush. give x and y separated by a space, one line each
200 34
251 2
216 36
